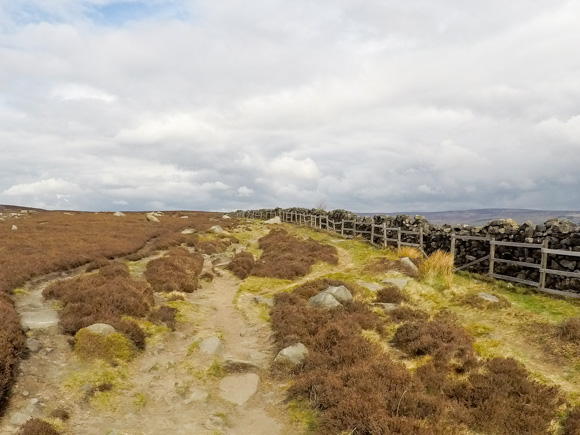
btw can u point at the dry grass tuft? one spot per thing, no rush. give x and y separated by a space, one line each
287 257
438 268
111 348
409 252
242 264
572 423
474 300
569 330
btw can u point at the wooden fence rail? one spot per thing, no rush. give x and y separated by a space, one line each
373 232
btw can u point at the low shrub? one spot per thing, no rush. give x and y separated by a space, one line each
37 426
405 314
287 257
572 422
569 330
476 301
242 264
502 399
391 295
12 344
439 338
164 314
178 270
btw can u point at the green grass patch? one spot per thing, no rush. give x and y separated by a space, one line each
19 291
263 286
300 412
185 311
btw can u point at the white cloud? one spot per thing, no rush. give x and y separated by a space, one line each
50 186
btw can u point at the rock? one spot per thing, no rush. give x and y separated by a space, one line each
119 214
570 265
14 227
225 216
256 355
184 217
152 218
33 345
396 282
196 396
385 306
324 300
188 231
101 329
340 293
260 300
211 346
39 319
371 285
292 355
33 409
274 220
216 229
215 423
18 419
269 397
239 389
488 297
233 365
405 261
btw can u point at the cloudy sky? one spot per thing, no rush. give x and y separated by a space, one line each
367 105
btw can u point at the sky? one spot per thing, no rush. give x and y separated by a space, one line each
364 105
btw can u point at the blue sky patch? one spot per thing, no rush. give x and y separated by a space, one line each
119 13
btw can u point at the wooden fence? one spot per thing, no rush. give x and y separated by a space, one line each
380 235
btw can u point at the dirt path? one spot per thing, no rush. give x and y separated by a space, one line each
178 385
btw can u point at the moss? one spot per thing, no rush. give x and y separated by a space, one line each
139 400
263 286
487 347
193 347
300 412
185 311
216 370
112 348
478 329
19 291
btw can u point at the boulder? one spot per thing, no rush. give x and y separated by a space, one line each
188 231
119 214
488 297
292 355
216 229
152 218
225 216
396 282
371 285
211 346
274 220
324 300
340 293
101 329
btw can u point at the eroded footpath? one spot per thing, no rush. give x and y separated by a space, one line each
209 375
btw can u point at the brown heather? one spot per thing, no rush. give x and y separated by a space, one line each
47 242
242 264
287 257
177 270
37 426
357 388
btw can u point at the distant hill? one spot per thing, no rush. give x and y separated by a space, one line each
16 208
483 216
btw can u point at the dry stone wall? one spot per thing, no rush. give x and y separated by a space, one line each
560 234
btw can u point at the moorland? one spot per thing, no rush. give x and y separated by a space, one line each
200 311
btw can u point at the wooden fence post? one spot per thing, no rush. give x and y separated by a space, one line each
544 264
373 233
342 228
385 234
491 255
453 246
421 238
399 238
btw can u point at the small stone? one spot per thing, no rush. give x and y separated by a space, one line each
184 217
211 346
233 365
274 220
196 396
269 397
488 297
18 419
292 355
385 306
260 300
152 218
216 229
225 216
25 393
33 345
405 261
570 265
256 355
188 231
102 329
119 214
371 285
239 389
214 423
397 282
14 227
33 410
